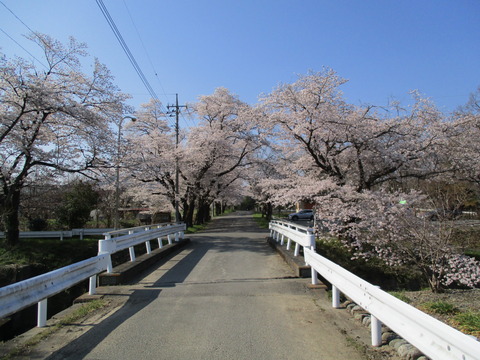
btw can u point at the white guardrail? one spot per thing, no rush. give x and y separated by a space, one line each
139 235
431 336
38 289
59 234
301 235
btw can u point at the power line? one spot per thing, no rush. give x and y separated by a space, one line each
28 52
188 122
145 50
126 49
35 34
6 7
15 41
130 56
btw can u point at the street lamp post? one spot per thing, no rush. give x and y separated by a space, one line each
117 172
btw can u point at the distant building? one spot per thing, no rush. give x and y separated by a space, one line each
304 205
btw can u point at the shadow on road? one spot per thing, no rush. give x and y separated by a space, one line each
225 234
137 300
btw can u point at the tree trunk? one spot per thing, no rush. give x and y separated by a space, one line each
203 213
10 220
218 208
433 280
268 211
188 208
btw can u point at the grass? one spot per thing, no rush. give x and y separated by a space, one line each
195 228
473 253
52 252
401 296
261 220
468 322
78 314
82 311
440 307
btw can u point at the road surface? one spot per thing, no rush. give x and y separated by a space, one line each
226 296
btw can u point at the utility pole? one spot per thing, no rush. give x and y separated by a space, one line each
176 108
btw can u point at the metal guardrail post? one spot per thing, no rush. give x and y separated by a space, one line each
376 328
131 249
159 239
42 313
147 243
92 285
335 297
297 249
148 247
107 246
314 275
289 244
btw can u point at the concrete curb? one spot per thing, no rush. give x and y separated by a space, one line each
125 272
297 263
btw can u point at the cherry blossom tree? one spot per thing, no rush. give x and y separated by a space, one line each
212 156
354 163
464 146
53 120
364 147
219 150
151 156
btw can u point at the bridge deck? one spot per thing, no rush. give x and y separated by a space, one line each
226 296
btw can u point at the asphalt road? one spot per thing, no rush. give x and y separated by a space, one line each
226 296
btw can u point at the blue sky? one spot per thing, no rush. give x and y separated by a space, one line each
385 48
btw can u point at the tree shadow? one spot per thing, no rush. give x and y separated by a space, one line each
137 300
237 237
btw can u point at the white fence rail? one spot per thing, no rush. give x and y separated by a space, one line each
114 233
60 234
140 235
301 235
434 338
18 296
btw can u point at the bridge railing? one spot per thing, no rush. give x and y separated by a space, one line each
285 230
59 234
434 338
131 230
38 289
18 296
139 235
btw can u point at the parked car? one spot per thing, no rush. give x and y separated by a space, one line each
301 215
